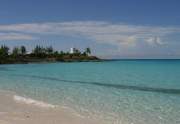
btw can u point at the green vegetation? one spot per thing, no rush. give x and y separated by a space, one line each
43 54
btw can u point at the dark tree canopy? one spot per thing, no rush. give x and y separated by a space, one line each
40 54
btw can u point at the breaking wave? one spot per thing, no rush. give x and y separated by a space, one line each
30 101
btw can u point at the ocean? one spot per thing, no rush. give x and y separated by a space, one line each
122 91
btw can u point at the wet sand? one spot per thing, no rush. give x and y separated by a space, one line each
14 111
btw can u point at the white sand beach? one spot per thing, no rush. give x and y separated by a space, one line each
16 110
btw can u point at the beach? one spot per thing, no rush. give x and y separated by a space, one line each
90 62
112 92
15 110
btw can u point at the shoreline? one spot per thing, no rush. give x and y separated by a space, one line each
20 110
40 61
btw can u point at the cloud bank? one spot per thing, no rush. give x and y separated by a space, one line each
98 31
15 36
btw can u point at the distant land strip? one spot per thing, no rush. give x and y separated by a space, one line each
40 54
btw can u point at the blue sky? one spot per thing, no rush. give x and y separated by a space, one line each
112 28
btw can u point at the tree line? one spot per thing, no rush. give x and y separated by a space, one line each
39 52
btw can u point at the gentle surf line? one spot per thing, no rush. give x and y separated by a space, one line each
30 101
117 86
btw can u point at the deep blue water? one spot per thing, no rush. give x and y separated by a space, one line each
126 91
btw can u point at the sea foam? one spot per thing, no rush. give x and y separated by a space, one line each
30 101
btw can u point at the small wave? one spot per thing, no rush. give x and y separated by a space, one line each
117 86
32 102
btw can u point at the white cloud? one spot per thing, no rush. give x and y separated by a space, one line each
15 36
155 41
101 32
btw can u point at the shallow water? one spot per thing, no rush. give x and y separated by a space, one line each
128 91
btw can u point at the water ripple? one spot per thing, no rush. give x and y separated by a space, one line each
117 86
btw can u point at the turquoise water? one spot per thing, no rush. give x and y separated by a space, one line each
128 91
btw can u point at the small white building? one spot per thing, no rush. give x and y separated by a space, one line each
72 50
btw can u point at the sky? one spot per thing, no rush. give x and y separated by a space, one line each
111 28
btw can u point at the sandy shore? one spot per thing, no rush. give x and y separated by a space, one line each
15 110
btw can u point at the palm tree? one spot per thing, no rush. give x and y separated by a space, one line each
23 50
16 51
49 50
37 50
4 50
88 51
